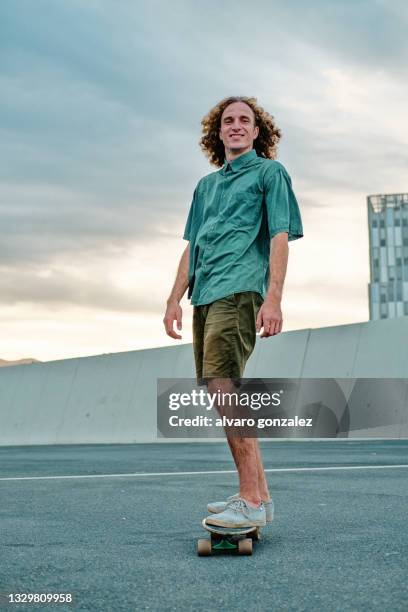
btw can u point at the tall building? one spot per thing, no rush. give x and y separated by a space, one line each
388 238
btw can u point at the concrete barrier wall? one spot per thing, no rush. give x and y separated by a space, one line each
112 398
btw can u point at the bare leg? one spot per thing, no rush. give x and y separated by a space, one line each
245 452
246 459
262 482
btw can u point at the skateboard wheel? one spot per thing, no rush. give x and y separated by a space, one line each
204 548
245 546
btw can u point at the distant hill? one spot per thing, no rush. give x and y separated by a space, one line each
4 362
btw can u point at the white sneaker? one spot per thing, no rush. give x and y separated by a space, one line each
217 507
238 513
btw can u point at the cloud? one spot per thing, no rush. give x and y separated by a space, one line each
100 121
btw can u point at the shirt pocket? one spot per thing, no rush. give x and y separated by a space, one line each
244 208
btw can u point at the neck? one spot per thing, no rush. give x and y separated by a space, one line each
231 154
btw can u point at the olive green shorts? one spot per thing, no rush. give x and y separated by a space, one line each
224 334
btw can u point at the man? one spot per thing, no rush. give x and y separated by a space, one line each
239 224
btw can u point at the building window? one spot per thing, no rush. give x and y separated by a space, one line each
382 223
382 242
397 222
399 292
405 308
375 224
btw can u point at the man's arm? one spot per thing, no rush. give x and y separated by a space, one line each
270 314
173 310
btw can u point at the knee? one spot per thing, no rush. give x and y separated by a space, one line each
224 391
221 385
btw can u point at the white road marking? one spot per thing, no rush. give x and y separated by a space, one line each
203 473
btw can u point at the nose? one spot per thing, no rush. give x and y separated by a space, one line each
236 126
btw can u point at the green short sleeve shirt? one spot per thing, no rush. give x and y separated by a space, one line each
233 216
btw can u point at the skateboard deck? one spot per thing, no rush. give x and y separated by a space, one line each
228 539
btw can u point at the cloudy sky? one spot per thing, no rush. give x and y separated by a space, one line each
100 110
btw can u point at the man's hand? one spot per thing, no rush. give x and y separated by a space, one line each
173 310
270 314
270 318
173 313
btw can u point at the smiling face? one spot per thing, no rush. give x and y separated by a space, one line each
238 130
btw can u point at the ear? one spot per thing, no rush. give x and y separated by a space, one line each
256 132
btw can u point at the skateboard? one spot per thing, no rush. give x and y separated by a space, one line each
228 539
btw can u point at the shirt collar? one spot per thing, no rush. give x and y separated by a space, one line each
239 162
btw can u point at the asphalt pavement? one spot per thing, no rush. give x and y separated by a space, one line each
116 527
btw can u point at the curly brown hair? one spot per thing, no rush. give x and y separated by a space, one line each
265 144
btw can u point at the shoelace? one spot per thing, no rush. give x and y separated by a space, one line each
238 505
